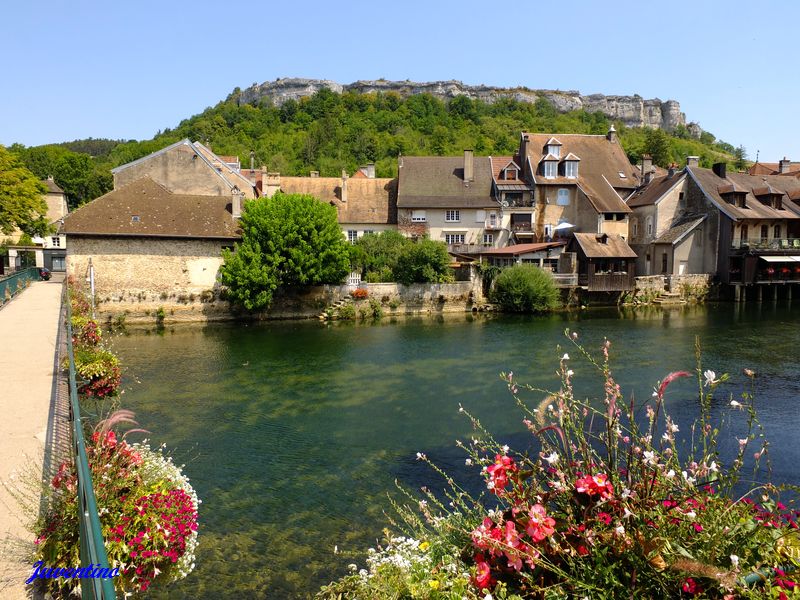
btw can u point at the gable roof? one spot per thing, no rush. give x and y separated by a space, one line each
161 214
655 190
677 232
52 186
714 186
368 200
762 168
604 167
593 246
438 182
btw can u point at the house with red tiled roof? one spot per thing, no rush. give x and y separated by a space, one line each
783 167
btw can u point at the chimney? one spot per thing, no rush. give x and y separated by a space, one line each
344 186
314 174
236 202
523 153
720 169
611 136
370 171
270 183
785 165
647 168
671 170
469 166
692 161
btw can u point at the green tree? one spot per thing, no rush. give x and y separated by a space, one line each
740 158
425 261
657 145
287 240
525 288
376 255
22 202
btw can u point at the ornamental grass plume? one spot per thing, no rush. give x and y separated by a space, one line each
615 501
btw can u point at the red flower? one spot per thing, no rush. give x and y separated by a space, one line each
597 485
690 586
604 518
483 573
498 472
540 526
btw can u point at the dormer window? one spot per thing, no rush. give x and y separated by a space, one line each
550 169
571 165
553 146
510 173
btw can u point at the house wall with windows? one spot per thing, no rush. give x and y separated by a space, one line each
455 225
353 231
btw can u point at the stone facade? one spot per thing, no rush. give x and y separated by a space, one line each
150 267
634 111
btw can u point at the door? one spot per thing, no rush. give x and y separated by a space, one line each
59 264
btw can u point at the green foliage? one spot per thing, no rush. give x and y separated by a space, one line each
525 288
423 261
80 176
656 144
289 239
22 203
346 312
376 255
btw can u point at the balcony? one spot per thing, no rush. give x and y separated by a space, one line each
618 281
522 227
467 248
759 244
489 224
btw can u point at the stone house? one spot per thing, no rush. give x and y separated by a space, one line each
188 168
742 228
145 239
578 183
449 199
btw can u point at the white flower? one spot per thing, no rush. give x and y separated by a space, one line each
565 357
552 459
691 514
713 467
650 457
735 404
570 373
619 530
742 442
735 561
711 378
468 462
673 427
420 456
505 449
670 474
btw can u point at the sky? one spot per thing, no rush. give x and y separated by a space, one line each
125 70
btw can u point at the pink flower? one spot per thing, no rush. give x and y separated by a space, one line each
597 485
483 573
540 526
498 472
604 518
697 527
690 586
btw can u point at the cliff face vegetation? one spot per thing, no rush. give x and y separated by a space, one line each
328 131
633 111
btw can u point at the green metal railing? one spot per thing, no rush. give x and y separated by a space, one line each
13 284
93 550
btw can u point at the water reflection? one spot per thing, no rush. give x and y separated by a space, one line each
293 433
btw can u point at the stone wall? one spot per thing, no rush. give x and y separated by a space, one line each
634 111
651 283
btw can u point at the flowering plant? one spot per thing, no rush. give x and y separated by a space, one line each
147 508
360 294
612 505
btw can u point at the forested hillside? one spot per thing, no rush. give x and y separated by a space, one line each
328 132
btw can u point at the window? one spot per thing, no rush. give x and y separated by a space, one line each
352 236
776 233
664 263
136 218
648 227
480 216
418 216
454 238
488 239
550 169
452 216
563 197
511 173
743 234
548 231
635 227
554 149
764 233
56 241
681 201
367 231
571 168
492 219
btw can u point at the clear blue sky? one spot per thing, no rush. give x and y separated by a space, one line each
77 69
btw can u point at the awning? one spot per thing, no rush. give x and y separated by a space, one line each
780 258
561 226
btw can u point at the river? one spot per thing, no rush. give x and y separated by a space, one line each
293 433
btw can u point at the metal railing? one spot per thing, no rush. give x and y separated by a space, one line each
13 284
92 546
565 279
768 244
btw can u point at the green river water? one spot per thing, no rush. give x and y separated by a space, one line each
294 432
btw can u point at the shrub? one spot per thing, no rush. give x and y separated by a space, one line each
608 502
425 261
525 288
85 330
375 308
346 312
360 294
148 513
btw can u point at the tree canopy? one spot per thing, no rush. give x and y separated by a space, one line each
287 240
525 288
22 203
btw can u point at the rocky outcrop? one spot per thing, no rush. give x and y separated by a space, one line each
633 111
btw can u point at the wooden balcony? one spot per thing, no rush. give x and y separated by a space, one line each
608 282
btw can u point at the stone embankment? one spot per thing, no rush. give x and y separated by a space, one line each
633 111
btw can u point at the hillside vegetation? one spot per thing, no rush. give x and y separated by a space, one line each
328 132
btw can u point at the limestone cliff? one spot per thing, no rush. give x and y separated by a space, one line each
634 111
